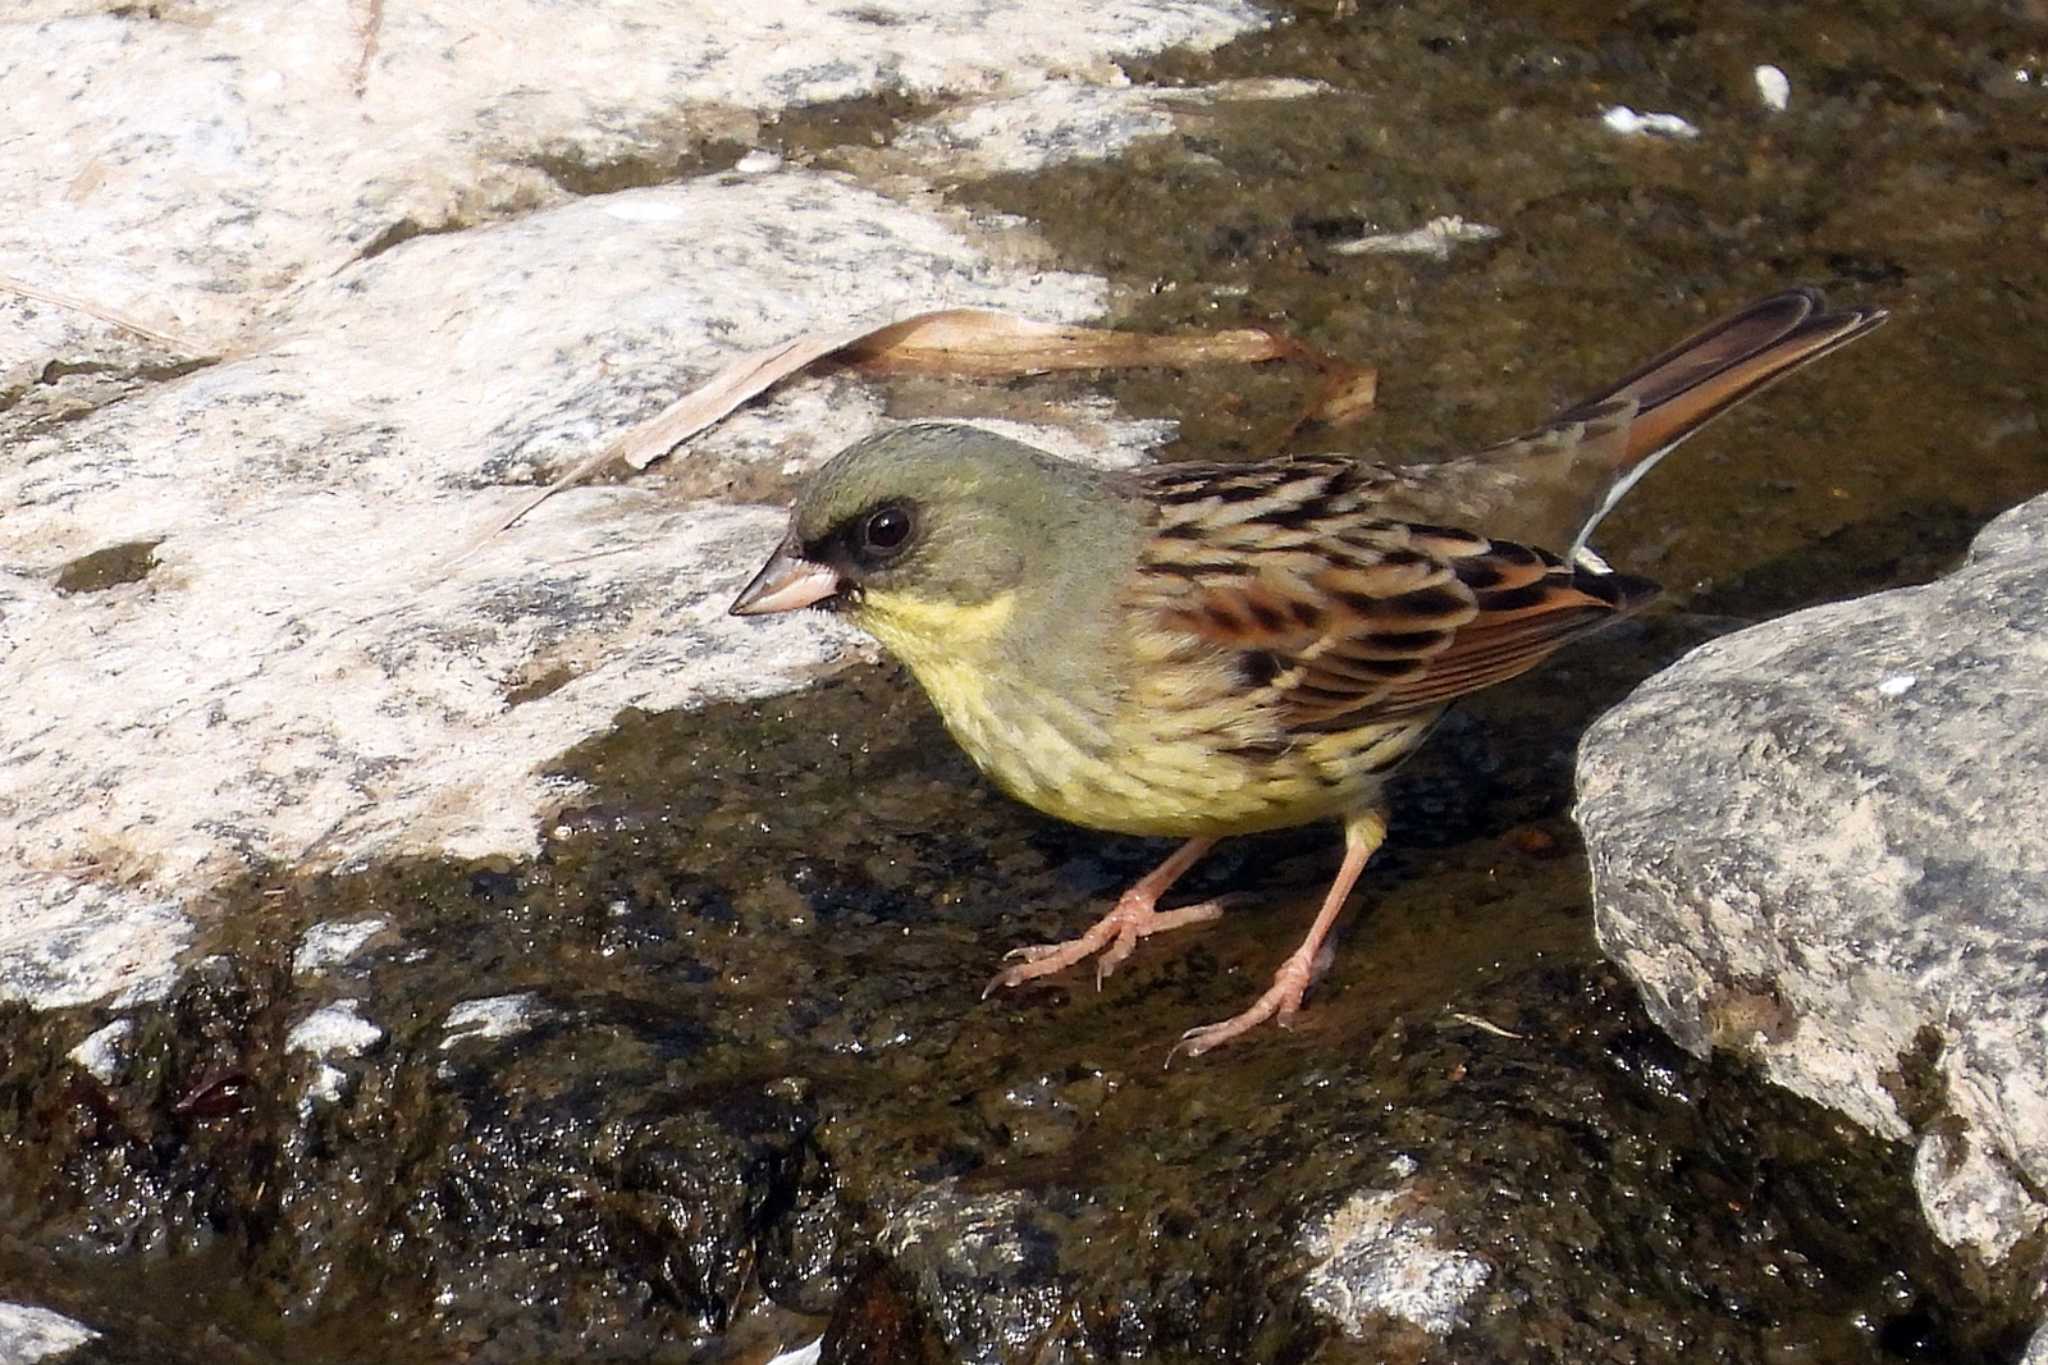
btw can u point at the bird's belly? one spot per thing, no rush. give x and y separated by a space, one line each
1190 794
1140 775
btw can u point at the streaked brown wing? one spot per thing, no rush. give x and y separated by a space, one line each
1341 617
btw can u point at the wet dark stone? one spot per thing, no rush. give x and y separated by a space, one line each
109 567
787 1112
880 1321
489 885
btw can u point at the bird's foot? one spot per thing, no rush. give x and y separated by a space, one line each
1115 936
1280 1003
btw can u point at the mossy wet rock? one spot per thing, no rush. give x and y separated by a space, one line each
1570 1186
678 1082
1819 842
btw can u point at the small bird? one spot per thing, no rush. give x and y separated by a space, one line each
1204 650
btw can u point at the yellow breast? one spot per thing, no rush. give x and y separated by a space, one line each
1138 759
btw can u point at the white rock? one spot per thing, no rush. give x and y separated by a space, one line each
1060 122
263 160
29 1334
1374 1258
327 1085
1629 123
305 678
1970 1199
103 1054
1815 841
1773 87
328 945
2037 1347
1066 121
335 1030
496 1016
65 940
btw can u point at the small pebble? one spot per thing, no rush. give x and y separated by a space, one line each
1629 123
1433 239
1773 88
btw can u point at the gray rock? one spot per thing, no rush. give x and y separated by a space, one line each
1819 842
30 1334
2037 1349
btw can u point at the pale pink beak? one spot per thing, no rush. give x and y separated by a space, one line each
786 582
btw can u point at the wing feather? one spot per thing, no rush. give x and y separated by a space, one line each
1337 616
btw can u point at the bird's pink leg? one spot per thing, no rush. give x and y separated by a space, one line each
1363 834
1117 933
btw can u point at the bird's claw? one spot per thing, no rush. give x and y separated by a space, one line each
1280 1003
1005 980
1111 941
1034 960
1206 1037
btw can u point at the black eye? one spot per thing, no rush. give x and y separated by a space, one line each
886 530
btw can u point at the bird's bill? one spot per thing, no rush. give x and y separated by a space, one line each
786 582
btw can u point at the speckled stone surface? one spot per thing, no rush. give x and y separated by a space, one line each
1819 842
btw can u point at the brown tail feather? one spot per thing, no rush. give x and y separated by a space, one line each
1711 371
1629 426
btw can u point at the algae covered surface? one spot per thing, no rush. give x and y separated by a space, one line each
720 1105
713 1074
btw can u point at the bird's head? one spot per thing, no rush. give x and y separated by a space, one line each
924 535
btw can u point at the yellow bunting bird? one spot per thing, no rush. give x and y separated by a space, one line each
1202 650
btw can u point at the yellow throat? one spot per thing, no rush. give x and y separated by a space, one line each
947 646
